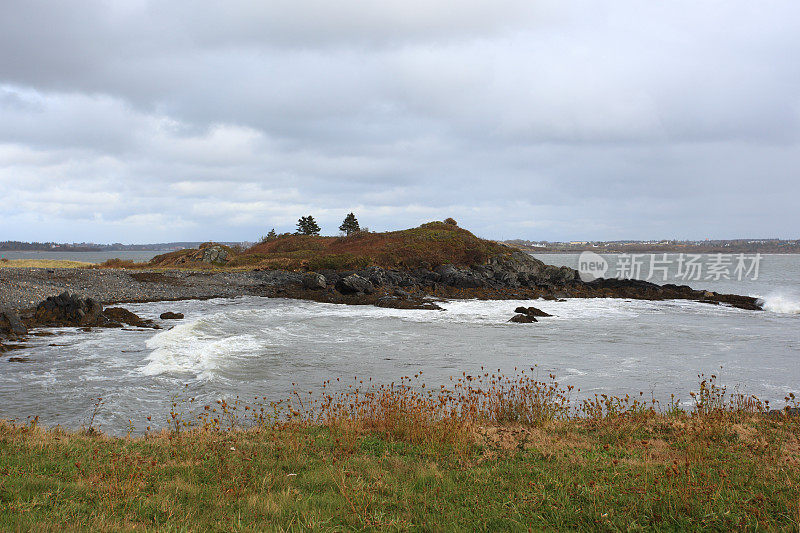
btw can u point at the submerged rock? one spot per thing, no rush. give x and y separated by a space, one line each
523 319
8 347
169 315
531 311
393 302
122 315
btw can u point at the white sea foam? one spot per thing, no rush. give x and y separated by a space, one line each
782 303
214 343
199 347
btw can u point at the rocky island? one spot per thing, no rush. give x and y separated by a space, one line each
408 269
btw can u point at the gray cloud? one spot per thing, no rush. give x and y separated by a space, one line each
146 121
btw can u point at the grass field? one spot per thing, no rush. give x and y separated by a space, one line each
387 458
42 263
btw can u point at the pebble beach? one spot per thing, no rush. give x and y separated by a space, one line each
23 288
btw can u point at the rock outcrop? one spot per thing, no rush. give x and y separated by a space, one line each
69 310
523 319
354 284
314 281
213 253
169 315
516 275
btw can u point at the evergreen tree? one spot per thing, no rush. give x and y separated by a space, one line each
307 226
271 236
350 225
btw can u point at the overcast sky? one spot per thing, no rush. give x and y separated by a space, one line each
153 121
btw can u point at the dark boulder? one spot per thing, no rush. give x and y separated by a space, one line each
69 310
354 284
10 323
313 281
118 315
377 276
531 311
424 276
169 315
520 268
523 319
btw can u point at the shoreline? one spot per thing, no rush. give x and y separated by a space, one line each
22 288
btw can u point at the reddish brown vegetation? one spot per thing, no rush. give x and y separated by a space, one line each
429 245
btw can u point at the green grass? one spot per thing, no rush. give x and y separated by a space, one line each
490 452
658 472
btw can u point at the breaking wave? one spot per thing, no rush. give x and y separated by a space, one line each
200 347
782 303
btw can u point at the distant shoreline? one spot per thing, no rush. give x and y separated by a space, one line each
671 250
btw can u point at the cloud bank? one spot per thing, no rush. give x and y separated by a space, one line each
139 121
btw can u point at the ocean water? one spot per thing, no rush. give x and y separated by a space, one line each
252 346
776 278
140 256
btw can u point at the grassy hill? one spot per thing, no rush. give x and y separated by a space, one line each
429 245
